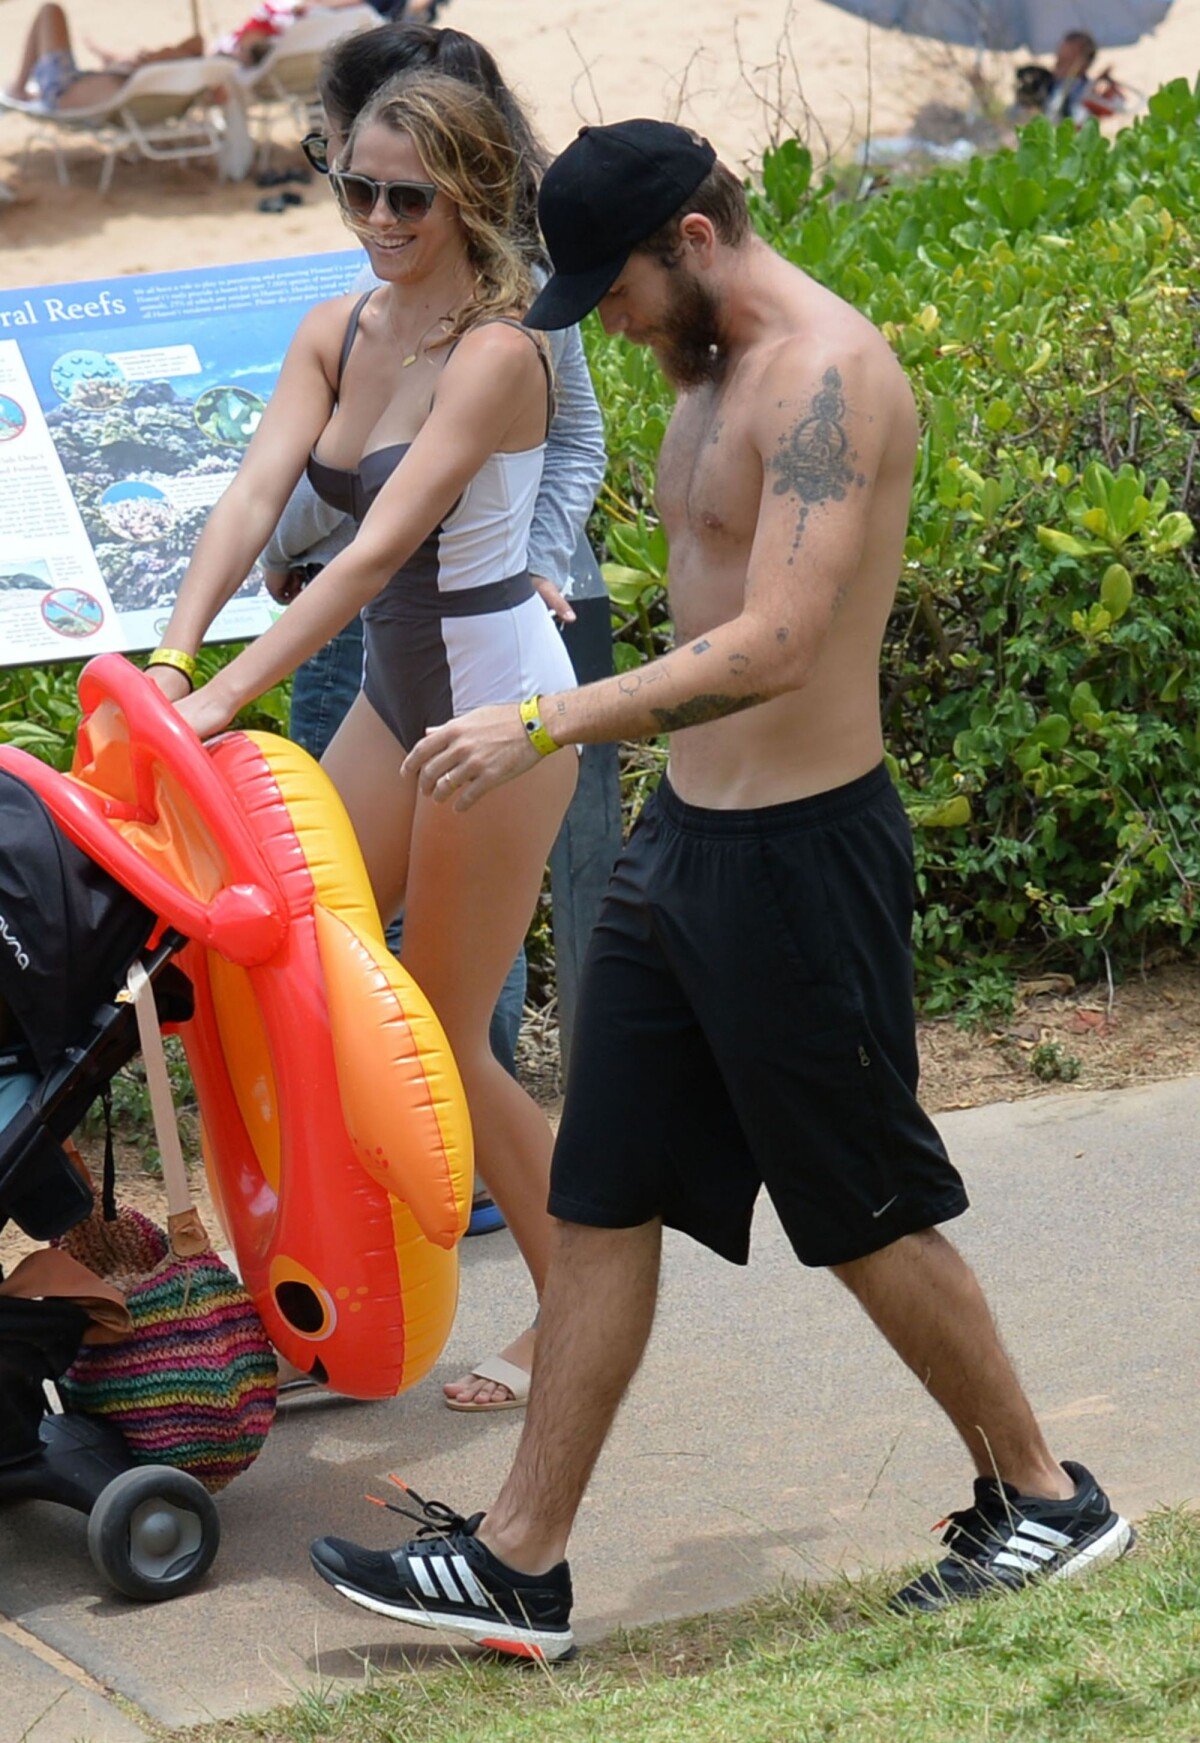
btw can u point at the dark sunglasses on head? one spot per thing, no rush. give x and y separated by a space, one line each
408 201
315 147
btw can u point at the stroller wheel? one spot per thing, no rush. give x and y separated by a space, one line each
154 1532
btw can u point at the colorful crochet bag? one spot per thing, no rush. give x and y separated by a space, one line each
195 1384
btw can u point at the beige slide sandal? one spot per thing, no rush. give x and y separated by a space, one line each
501 1373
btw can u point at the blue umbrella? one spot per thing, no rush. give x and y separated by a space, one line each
1038 25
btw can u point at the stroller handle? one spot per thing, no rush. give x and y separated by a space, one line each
145 802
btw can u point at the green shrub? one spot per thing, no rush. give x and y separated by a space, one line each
1050 1063
39 708
1041 676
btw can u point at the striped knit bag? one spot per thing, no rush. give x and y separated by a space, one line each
195 1384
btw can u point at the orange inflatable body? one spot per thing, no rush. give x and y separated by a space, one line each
334 1124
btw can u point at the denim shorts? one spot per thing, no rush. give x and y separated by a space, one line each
53 74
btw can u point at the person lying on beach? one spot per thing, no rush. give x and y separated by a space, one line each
49 74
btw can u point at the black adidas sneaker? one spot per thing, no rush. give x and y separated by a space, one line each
1006 1541
446 1578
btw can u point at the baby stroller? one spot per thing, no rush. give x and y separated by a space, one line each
68 936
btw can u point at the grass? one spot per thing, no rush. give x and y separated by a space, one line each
1110 1660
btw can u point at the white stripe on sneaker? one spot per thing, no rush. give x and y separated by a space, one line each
1047 1533
470 1584
420 1573
448 1583
1021 1544
1026 1563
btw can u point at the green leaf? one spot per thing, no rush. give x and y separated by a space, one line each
1062 544
626 586
786 175
952 814
1040 358
1173 532
1054 730
1083 702
1025 201
1116 591
1122 499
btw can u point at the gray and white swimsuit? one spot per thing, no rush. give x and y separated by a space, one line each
458 625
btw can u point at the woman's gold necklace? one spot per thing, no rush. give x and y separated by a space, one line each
438 321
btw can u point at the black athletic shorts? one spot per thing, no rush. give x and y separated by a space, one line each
746 1019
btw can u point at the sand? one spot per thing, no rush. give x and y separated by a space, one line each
741 75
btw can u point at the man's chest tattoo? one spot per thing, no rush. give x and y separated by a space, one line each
815 462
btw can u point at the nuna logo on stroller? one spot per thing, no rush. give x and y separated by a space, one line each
7 936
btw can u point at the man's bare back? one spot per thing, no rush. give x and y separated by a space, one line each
710 485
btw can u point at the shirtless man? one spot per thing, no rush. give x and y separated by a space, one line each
746 1015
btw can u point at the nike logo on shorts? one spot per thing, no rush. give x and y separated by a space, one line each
891 1201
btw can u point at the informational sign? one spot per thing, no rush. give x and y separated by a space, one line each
126 405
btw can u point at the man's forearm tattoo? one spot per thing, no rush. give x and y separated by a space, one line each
631 682
815 462
698 709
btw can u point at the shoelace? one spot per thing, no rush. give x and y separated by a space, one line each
979 1525
435 1519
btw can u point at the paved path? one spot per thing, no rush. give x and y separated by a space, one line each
769 1432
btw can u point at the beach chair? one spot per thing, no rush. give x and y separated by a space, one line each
165 112
286 76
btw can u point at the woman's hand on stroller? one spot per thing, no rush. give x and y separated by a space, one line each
204 711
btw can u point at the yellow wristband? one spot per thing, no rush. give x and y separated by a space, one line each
539 738
177 660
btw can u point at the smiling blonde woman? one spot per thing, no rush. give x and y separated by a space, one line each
420 408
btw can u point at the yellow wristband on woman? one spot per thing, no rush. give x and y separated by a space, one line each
539 738
177 660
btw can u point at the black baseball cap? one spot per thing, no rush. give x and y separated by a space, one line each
610 189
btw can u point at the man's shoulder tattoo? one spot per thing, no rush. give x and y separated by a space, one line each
815 462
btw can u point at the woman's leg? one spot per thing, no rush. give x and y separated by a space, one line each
474 879
50 34
325 688
363 762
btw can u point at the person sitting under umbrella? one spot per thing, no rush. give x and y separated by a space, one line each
1067 91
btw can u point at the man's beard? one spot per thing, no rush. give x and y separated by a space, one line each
688 341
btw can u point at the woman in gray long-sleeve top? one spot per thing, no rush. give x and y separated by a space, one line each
310 533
